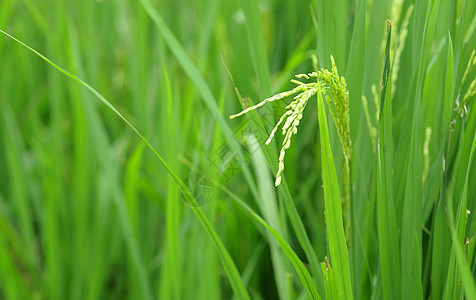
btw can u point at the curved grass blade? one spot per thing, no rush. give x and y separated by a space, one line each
228 264
268 207
257 44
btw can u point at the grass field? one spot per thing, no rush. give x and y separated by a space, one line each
128 179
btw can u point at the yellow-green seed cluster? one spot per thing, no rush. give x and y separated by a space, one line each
338 103
339 106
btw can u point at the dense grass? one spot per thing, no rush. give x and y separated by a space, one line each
92 203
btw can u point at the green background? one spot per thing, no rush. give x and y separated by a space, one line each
88 212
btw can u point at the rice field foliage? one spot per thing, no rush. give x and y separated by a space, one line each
123 177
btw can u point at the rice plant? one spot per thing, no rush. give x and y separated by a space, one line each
123 177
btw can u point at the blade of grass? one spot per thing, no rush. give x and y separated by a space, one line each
360 166
468 282
81 186
258 47
172 264
411 233
335 227
440 236
387 226
411 226
355 67
269 208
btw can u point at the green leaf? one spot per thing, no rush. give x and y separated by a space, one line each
458 237
386 221
335 228
440 237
